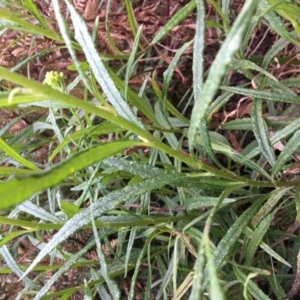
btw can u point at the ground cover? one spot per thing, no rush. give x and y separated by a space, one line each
149 150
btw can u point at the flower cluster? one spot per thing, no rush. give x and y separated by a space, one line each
56 80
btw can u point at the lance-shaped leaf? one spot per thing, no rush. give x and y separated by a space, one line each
19 189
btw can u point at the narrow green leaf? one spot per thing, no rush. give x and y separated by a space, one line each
18 23
67 266
247 64
289 11
251 287
257 236
289 149
130 243
265 95
102 75
226 8
215 289
16 156
175 20
107 27
31 6
201 275
272 202
272 253
133 98
140 169
65 33
165 271
214 286
276 286
162 119
246 123
17 190
198 287
13 265
169 106
130 63
28 224
261 131
131 17
278 136
219 10
218 104
170 70
277 46
39 212
134 278
238 124
103 222
13 235
219 146
275 22
199 45
232 235
87 186
19 172
69 209
216 73
88 295
104 128
199 201
113 287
